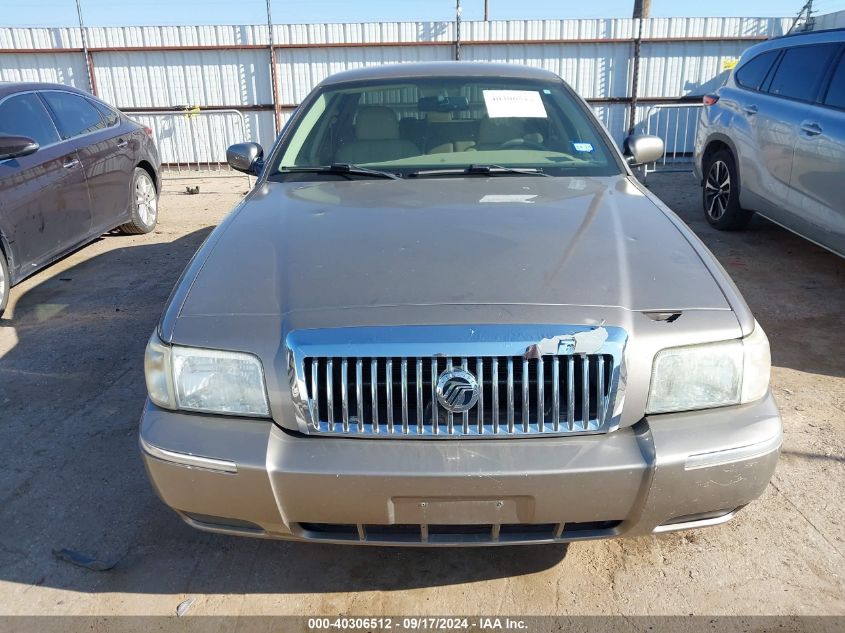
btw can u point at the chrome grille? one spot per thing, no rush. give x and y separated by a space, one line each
517 395
532 380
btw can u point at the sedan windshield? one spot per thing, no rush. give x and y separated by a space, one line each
451 126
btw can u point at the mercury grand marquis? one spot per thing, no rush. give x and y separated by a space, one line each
448 313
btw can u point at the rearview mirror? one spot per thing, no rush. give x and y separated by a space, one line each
14 146
640 149
246 157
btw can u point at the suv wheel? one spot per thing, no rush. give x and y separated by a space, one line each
143 205
721 194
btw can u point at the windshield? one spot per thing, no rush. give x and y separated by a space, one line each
439 127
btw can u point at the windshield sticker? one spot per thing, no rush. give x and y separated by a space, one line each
514 103
582 147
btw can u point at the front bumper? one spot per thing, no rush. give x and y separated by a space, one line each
667 472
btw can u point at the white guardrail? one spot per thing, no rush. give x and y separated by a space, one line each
675 123
192 142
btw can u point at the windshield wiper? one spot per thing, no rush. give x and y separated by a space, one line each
479 170
340 168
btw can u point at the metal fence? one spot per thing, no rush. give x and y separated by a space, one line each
675 123
192 142
141 69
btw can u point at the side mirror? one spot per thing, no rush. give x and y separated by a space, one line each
640 149
14 146
246 157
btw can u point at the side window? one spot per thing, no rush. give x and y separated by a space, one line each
753 72
74 114
801 70
25 115
836 91
106 112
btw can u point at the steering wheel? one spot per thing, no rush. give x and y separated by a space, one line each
521 143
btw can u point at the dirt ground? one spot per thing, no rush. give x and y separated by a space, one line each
72 388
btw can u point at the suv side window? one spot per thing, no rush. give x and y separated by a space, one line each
801 71
25 115
74 114
753 72
836 91
107 113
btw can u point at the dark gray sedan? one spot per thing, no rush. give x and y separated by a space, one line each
71 168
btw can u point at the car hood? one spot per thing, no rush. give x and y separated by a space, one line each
508 240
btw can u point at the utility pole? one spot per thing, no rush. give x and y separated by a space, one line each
486 10
457 30
642 10
273 80
85 51
807 13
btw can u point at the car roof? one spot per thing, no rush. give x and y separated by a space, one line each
440 69
11 87
826 36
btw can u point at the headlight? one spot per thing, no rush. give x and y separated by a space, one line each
710 375
205 380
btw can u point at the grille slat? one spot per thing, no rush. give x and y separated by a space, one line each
465 414
526 391
404 396
585 391
313 399
556 394
600 392
566 393
541 406
330 393
374 393
344 393
570 393
495 404
450 417
435 416
479 374
359 392
388 386
420 403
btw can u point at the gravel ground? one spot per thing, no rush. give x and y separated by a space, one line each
71 389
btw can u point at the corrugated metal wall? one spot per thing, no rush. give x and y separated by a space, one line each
830 21
230 66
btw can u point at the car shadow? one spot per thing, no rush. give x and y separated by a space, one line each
71 392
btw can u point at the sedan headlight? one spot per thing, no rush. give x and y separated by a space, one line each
209 381
710 375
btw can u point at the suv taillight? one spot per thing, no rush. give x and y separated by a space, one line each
710 99
148 131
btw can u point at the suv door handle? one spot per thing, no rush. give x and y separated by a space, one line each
750 110
70 164
810 128
122 143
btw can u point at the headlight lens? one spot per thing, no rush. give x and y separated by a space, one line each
710 375
157 373
209 381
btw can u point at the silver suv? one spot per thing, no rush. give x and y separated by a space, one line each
772 139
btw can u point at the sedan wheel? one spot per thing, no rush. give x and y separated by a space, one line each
146 199
143 204
5 283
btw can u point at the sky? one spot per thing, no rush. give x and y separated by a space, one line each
174 12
